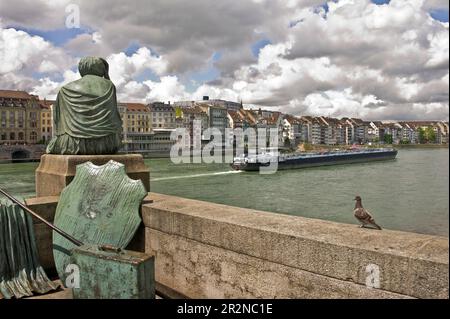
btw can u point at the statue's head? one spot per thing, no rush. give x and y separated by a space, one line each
94 66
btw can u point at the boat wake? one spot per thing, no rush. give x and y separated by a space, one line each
194 175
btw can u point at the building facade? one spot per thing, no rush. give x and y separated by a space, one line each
292 130
20 118
135 117
46 120
136 127
162 115
217 117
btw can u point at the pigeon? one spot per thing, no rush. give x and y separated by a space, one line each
362 215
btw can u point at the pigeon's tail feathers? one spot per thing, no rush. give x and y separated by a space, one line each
377 226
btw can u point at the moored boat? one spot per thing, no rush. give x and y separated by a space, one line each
303 160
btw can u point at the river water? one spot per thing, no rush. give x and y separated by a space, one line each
410 193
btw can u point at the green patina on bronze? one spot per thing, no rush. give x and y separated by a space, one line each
85 115
107 273
99 207
21 275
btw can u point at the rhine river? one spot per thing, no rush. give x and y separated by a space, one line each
410 193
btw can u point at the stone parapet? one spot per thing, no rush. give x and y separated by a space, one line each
206 250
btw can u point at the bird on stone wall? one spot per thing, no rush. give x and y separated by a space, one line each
362 215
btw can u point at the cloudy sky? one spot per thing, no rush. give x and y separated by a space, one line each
374 59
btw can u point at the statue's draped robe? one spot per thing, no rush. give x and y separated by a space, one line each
85 115
21 274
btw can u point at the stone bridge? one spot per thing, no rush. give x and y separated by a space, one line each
19 153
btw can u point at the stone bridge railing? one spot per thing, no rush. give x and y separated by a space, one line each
206 250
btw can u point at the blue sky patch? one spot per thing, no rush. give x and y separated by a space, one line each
257 46
146 75
203 76
216 56
132 49
440 15
192 80
381 2
57 37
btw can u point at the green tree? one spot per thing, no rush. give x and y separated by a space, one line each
421 136
427 135
431 135
287 142
388 138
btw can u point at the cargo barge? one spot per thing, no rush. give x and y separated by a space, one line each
303 160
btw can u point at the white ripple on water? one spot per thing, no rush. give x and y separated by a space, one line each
194 175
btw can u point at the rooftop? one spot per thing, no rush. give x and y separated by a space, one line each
10 94
136 107
196 109
46 104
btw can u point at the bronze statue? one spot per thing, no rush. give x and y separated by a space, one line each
85 115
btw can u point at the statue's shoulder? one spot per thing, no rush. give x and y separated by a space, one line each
89 84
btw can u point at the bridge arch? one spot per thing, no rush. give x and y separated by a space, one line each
20 155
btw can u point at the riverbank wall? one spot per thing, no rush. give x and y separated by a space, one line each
21 153
206 250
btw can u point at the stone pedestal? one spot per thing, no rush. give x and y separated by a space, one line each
56 171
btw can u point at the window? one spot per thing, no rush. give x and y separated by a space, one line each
20 121
3 137
21 136
12 136
33 136
33 119
3 119
12 119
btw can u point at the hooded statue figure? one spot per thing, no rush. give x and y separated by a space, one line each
85 115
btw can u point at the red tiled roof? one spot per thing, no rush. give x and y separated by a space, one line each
331 120
193 110
136 107
248 116
45 104
292 119
235 116
419 123
10 94
357 121
243 116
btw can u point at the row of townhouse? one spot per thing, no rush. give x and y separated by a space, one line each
325 130
264 123
345 131
421 132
